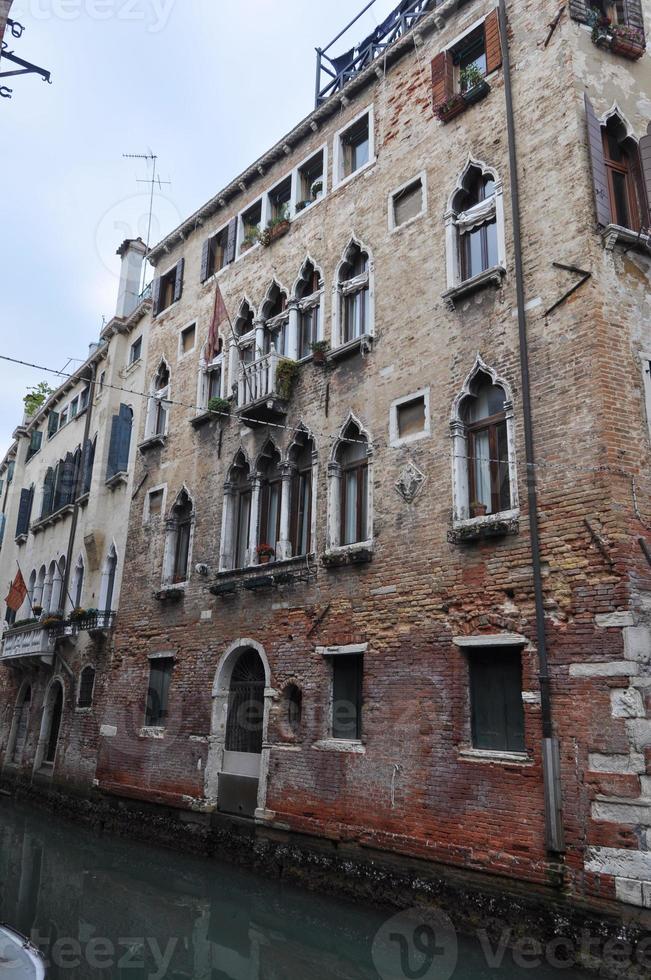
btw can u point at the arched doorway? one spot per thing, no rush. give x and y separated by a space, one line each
18 735
50 728
236 773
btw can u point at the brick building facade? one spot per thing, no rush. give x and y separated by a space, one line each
378 679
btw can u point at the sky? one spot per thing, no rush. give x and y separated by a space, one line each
207 86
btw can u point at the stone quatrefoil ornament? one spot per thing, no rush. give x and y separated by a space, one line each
410 482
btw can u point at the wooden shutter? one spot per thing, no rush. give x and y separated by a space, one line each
599 178
48 493
178 281
442 78
24 511
645 164
496 699
52 423
155 296
87 465
231 241
68 480
120 442
35 443
3 521
579 10
205 259
634 14
493 42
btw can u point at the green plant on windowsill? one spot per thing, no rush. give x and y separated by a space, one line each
52 619
470 77
23 622
221 406
319 351
78 614
251 237
317 188
286 375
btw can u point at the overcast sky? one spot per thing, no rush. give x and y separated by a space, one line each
205 84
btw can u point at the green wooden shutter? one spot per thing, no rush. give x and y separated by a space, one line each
52 423
579 10
87 466
24 511
205 259
35 443
496 700
48 493
599 178
155 296
3 521
178 281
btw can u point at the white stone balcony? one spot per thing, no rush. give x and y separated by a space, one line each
28 641
260 392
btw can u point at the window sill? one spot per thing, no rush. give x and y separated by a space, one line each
461 101
130 368
207 416
489 277
152 732
617 235
84 498
340 745
167 308
284 572
33 456
481 528
21 539
158 440
350 554
170 593
53 518
356 173
117 480
363 344
495 756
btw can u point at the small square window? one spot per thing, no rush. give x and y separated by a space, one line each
251 222
407 203
136 351
497 712
155 504
311 181
411 418
188 338
279 200
74 407
470 59
355 147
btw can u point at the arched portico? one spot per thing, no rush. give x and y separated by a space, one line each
48 740
238 757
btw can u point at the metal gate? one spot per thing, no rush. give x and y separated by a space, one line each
246 705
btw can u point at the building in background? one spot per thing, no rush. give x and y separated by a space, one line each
67 487
387 575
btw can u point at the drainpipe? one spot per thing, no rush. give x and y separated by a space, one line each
82 470
550 744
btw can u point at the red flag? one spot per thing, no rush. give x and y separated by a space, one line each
17 593
219 314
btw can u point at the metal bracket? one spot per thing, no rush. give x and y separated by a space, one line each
16 28
26 67
585 275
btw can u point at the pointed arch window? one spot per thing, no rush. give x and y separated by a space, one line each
20 726
484 471
236 515
308 294
108 580
350 520
212 382
179 539
475 243
157 414
622 162
271 492
301 458
86 687
78 583
354 306
275 314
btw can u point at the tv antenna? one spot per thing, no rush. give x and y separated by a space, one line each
152 181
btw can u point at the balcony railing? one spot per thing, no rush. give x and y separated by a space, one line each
340 69
257 381
27 641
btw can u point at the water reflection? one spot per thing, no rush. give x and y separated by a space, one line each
103 908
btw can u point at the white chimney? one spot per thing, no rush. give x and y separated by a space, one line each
132 251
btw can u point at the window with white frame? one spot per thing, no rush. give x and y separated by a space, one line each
407 203
353 301
354 146
78 583
475 225
302 505
236 515
410 418
309 295
179 540
135 351
158 407
107 587
349 477
279 201
483 463
270 503
250 227
154 504
646 377
310 181
275 314
213 380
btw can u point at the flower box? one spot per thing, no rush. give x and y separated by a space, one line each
451 108
476 93
628 47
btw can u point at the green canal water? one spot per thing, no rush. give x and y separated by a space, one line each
101 907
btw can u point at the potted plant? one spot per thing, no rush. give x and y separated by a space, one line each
286 374
451 107
478 509
317 188
627 41
277 227
52 619
265 553
37 610
251 237
319 352
473 84
301 205
78 614
220 406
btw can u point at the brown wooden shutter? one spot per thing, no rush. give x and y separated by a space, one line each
155 296
205 258
442 78
231 241
178 281
634 15
493 42
645 164
579 10
599 179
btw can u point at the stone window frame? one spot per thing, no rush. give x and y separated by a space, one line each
333 526
265 325
85 709
227 539
393 226
337 296
182 355
460 492
457 286
338 180
155 397
645 359
395 439
296 306
146 516
169 550
156 731
328 742
218 362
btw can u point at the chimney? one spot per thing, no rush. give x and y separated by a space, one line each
132 251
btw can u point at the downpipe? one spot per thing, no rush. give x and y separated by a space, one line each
550 743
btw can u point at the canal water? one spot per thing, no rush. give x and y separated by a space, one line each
101 907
